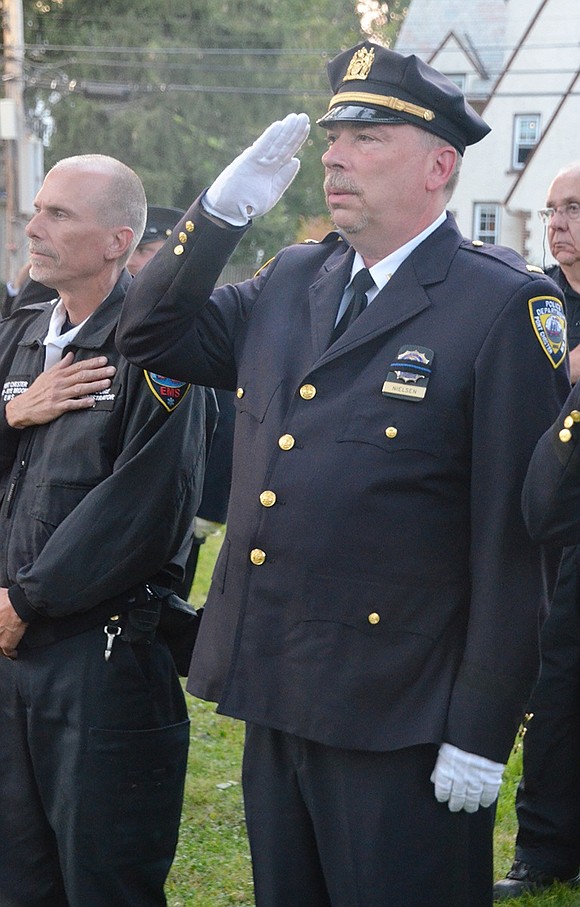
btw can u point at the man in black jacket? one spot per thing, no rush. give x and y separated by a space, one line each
158 226
101 469
361 613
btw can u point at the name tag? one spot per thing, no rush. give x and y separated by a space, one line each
409 374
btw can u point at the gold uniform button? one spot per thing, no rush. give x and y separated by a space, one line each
182 237
374 618
575 415
178 250
286 442
240 393
268 498
307 391
565 435
257 556
391 431
476 243
189 226
568 422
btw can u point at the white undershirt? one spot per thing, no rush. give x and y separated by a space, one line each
386 267
55 342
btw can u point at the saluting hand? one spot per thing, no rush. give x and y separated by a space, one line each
253 183
66 386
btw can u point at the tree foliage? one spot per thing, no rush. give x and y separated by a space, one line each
177 89
382 20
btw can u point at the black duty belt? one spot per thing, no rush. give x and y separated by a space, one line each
45 631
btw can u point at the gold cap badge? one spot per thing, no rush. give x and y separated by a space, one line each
360 65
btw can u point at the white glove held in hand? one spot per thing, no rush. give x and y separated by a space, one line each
464 780
203 528
253 183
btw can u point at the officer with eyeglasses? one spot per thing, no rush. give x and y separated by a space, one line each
570 211
547 802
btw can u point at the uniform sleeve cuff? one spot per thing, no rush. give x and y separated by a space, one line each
219 219
21 605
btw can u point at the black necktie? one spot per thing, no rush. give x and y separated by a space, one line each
361 284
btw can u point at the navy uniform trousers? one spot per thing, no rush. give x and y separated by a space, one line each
548 798
92 772
303 853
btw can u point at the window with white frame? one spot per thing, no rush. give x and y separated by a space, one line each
526 137
486 222
458 78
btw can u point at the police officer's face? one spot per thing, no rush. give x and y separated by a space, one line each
375 181
67 242
142 254
564 234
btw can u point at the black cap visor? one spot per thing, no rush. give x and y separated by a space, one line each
352 113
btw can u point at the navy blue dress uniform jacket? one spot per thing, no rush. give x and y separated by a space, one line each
376 588
551 497
100 499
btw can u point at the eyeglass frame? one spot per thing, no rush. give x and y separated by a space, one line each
546 214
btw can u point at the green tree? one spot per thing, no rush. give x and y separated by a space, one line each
387 19
177 89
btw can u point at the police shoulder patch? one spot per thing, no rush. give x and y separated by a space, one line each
168 391
265 265
549 323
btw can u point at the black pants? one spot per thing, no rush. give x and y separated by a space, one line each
342 828
548 797
92 769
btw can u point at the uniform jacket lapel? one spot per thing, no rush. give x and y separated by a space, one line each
325 295
403 297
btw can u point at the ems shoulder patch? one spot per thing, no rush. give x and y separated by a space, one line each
549 323
168 391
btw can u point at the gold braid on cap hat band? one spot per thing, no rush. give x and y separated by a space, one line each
359 97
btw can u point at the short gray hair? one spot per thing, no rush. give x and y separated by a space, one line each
431 141
123 202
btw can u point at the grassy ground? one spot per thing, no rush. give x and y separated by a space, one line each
212 867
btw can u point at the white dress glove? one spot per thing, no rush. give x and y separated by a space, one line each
464 780
203 528
253 183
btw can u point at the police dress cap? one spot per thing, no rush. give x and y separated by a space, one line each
160 223
372 84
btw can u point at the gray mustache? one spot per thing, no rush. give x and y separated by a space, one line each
340 183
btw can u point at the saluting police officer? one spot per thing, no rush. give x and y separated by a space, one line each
374 611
